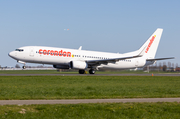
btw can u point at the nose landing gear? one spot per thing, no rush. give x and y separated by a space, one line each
24 67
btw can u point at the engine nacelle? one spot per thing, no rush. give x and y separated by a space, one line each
78 65
61 66
140 62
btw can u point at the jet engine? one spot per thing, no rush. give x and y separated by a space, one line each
78 65
61 66
140 62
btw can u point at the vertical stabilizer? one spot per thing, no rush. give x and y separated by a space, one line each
151 44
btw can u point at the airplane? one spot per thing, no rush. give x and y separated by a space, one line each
82 60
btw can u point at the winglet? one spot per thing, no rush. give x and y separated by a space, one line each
80 48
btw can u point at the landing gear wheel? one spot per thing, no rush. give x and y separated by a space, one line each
81 71
24 67
91 71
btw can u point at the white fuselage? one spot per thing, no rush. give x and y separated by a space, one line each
63 56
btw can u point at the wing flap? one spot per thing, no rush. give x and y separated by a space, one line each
113 60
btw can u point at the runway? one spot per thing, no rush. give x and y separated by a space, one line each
80 101
163 74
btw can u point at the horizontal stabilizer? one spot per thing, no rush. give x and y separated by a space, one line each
160 59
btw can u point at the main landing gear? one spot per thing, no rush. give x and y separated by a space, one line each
91 71
81 71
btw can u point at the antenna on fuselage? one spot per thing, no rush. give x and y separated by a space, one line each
80 48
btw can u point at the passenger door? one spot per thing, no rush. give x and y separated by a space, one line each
31 53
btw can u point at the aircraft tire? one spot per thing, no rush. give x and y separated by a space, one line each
81 71
91 71
24 67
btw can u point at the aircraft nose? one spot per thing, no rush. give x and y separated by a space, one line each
11 54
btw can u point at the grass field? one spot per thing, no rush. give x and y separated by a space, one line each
87 87
32 72
75 72
93 111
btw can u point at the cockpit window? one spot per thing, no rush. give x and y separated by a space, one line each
20 50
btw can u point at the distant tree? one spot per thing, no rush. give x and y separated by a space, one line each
0 66
17 66
169 64
176 65
159 64
164 63
172 65
164 68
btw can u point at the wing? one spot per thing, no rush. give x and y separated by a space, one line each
113 60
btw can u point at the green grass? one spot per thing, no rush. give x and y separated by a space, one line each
93 111
75 72
33 72
87 87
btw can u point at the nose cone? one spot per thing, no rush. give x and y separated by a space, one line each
11 54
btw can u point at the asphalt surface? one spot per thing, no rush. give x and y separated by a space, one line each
167 74
80 101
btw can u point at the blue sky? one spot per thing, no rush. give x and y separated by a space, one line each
99 25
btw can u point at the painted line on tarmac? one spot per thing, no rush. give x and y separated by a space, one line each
80 101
